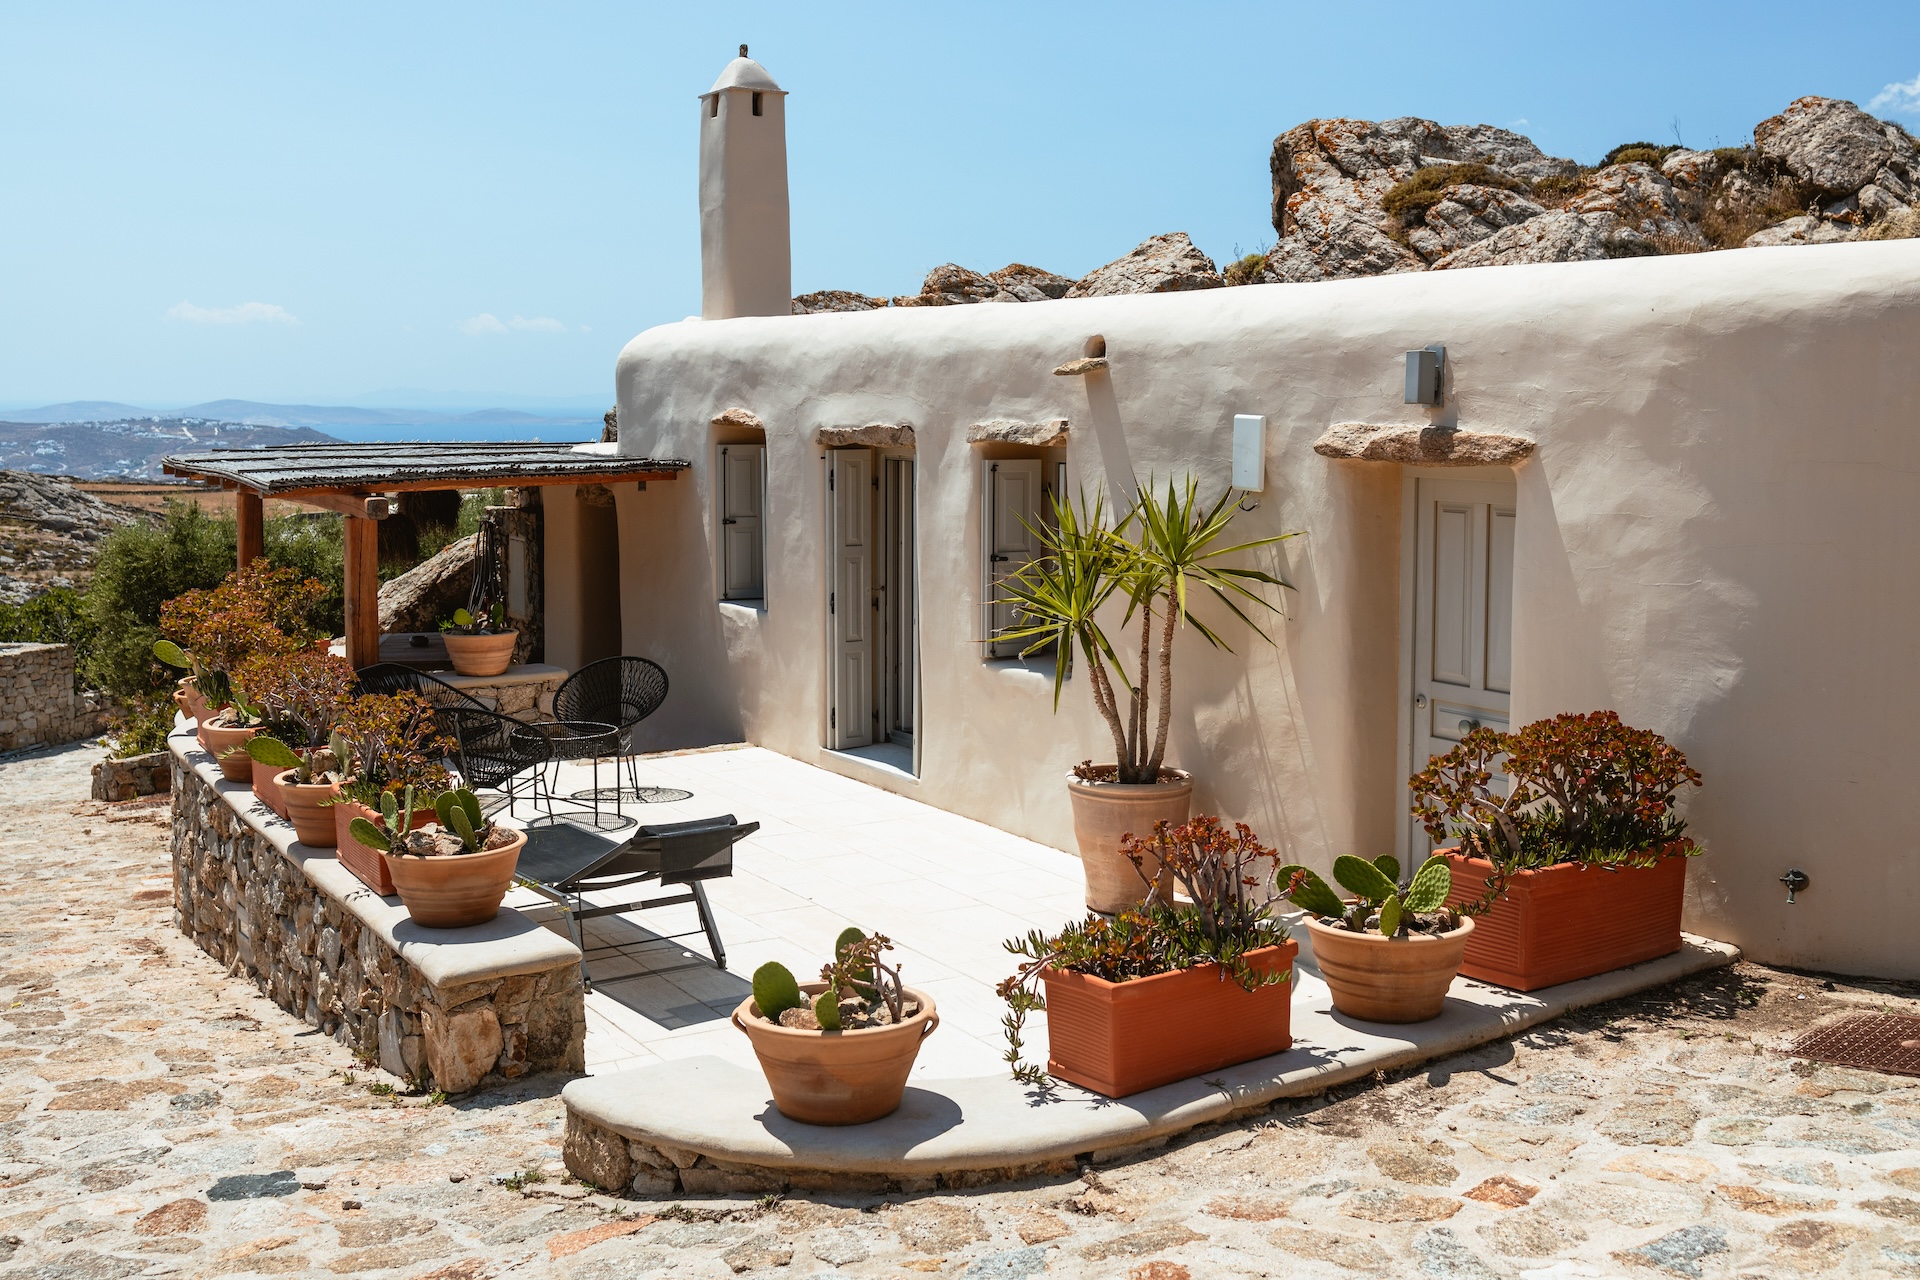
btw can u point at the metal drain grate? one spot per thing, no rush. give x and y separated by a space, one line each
1888 1042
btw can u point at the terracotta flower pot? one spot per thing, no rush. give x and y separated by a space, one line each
837 1077
367 863
1568 921
1104 812
313 822
1380 979
1117 1038
188 695
456 890
266 788
486 655
227 745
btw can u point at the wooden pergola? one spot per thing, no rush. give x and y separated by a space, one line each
357 480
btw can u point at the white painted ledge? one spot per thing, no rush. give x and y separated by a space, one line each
722 1111
525 673
508 944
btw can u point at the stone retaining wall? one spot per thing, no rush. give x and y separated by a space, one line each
622 1165
146 775
248 906
38 705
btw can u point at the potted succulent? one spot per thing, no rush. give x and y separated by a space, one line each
1389 954
1578 864
451 875
479 645
1169 990
1151 559
389 743
256 610
303 695
837 1051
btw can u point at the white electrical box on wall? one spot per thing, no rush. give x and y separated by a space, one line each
1250 451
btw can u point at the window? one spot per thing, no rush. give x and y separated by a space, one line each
756 104
713 106
1013 501
741 473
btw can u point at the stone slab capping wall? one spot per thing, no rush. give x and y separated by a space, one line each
38 706
328 954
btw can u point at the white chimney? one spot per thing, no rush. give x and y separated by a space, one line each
746 266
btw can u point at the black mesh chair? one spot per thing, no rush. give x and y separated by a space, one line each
617 691
487 749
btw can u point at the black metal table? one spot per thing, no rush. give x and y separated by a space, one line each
571 740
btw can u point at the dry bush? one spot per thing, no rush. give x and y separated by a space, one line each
1904 225
1751 197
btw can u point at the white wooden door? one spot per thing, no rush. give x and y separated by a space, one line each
1463 618
1011 492
899 602
742 473
850 599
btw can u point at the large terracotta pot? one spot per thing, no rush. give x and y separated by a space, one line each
313 822
1117 1038
837 1077
227 745
1103 813
1568 921
454 891
1378 979
480 655
187 694
367 863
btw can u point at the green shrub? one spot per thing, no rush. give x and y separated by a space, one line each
1637 153
1247 270
316 546
141 567
56 616
473 508
1556 189
144 727
1410 200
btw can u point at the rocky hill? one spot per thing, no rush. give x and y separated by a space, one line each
50 532
129 447
1360 198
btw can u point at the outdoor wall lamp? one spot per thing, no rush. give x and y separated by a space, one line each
1426 370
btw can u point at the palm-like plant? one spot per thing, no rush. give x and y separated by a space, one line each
1155 556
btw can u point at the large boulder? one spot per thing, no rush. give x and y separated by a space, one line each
1644 201
1468 214
823 300
1827 143
420 598
1030 284
1167 263
1558 236
1805 229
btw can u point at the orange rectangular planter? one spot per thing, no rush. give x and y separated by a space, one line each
1568 921
1117 1038
367 863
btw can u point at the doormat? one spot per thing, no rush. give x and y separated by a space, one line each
1888 1042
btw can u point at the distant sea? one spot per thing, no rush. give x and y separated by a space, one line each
548 432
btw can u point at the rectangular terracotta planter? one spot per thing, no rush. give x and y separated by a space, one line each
1117 1038
367 863
1569 921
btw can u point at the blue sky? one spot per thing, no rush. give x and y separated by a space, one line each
485 202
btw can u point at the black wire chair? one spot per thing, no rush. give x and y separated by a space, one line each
488 747
619 691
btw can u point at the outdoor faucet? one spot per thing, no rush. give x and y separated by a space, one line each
1795 880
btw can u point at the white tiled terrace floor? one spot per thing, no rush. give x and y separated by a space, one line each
830 852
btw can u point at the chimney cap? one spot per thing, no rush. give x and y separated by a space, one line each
744 73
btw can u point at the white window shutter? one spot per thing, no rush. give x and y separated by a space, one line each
850 602
1010 512
741 469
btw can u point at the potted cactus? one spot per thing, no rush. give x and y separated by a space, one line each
1578 864
479 645
450 875
388 743
1153 557
837 1051
301 696
1389 954
1178 987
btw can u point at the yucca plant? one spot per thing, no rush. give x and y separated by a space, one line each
1379 902
1155 556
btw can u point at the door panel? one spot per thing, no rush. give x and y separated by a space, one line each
740 482
1463 618
849 602
1012 512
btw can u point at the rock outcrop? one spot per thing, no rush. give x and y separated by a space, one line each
421 597
1164 264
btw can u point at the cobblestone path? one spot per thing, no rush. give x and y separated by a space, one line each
160 1118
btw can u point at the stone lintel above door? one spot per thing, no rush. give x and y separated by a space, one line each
1048 434
1428 446
883 435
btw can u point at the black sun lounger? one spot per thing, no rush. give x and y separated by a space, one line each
563 862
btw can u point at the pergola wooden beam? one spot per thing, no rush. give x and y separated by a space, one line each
486 482
362 574
249 528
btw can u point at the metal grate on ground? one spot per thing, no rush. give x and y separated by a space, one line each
1888 1042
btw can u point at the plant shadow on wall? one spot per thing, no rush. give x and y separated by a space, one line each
1147 561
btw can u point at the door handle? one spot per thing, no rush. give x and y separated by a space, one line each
1468 726
729 520
999 558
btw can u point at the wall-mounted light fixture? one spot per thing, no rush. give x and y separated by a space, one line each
1426 371
1250 451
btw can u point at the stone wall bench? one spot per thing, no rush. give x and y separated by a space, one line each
456 1008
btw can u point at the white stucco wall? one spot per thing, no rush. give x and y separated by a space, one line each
1715 538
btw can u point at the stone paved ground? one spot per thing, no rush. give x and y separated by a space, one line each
159 1118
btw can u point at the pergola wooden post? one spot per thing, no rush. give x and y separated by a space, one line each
362 572
249 519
